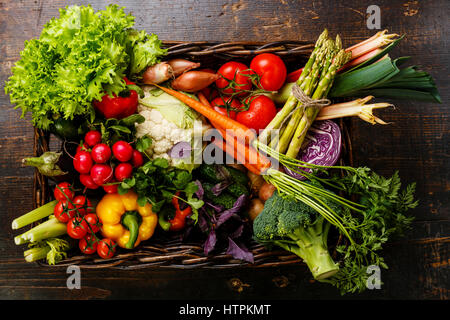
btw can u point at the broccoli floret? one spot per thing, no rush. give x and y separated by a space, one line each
298 228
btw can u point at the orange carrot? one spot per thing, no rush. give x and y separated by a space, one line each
223 145
242 131
248 153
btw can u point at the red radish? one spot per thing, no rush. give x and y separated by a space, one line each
137 159
101 153
111 188
92 138
193 81
82 147
82 162
122 150
101 173
180 66
123 171
87 181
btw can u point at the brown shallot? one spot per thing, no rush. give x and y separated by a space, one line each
193 81
180 66
157 73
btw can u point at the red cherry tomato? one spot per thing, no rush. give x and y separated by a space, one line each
101 153
64 211
86 180
77 227
123 171
271 69
63 191
137 159
260 112
93 222
88 244
122 150
226 106
83 204
92 138
82 162
237 74
101 173
106 248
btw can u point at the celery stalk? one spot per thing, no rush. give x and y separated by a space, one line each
34 215
35 254
48 229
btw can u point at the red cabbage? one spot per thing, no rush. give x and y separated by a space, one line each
323 146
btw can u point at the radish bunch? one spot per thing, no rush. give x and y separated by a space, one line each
103 164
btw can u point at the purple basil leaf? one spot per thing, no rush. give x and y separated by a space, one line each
180 150
216 207
210 242
203 220
237 233
218 188
199 193
237 206
240 253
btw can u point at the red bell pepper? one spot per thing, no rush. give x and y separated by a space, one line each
179 221
118 106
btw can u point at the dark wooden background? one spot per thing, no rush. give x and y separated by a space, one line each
416 144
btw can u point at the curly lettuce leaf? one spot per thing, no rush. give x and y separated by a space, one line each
78 58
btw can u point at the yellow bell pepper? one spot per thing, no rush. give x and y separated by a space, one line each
124 220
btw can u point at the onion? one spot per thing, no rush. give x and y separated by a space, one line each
193 81
255 208
266 191
157 73
322 148
180 66
256 181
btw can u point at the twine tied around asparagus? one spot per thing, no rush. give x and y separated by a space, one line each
305 102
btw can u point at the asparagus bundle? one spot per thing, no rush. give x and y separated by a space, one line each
307 96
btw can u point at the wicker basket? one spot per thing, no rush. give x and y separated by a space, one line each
174 252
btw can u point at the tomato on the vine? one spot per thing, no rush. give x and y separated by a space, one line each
106 248
226 106
88 244
93 222
261 110
271 71
64 211
235 78
83 204
63 191
77 227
